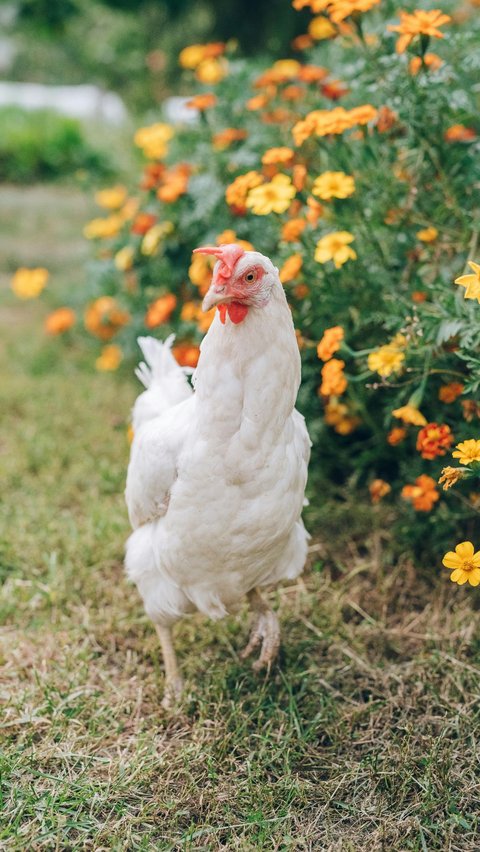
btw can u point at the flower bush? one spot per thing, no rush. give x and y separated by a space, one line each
354 167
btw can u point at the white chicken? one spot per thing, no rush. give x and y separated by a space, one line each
216 480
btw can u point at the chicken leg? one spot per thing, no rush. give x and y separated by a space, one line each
173 678
265 630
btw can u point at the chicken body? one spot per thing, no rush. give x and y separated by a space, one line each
216 481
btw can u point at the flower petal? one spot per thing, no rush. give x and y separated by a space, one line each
465 550
474 577
452 560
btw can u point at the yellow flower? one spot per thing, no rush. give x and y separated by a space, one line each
98 229
191 57
427 235
29 283
211 71
386 360
291 268
471 282
112 198
153 236
341 9
320 28
465 564
110 358
467 451
278 155
450 476
333 185
418 22
409 414
124 258
338 417
153 140
378 489
273 197
335 247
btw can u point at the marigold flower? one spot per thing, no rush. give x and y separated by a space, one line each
341 9
378 488
190 57
302 42
434 440
236 193
471 282
123 259
334 382
230 236
334 89
315 5
104 317
282 155
142 223
465 564
449 393
112 198
386 360
333 185
386 119
427 235
423 494
100 228
334 121
335 246
154 236
153 140
396 435
338 417
417 23
467 451
211 71
186 354
160 310
152 175
410 414
109 359
450 476
471 409
430 60
459 133
59 321
200 272
314 212
224 138
330 342
207 100
29 283
290 268
273 197
257 102
320 28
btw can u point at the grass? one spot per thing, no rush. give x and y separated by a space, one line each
365 736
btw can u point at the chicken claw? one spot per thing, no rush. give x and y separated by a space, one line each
265 630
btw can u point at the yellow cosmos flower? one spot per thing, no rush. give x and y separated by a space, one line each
386 360
467 451
333 185
109 359
409 414
427 235
112 198
153 140
320 28
273 197
335 247
29 283
471 282
465 564
98 229
124 258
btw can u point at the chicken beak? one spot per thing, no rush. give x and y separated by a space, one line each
214 296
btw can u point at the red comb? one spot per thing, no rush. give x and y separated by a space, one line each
228 255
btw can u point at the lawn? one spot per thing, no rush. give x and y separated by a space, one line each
366 734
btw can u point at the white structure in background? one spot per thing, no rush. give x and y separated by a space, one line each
84 102
176 112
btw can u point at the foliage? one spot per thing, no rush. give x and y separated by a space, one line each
373 258
42 145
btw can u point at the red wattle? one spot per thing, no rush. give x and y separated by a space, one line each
236 311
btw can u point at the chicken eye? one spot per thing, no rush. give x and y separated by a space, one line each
250 277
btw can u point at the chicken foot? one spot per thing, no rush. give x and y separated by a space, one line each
173 678
265 630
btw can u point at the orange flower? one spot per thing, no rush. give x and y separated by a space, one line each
224 138
410 414
142 223
419 296
160 310
334 382
152 175
200 272
59 321
423 495
299 176
186 354
174 183
316 6
323 122
330 342
315 211
278 155
202 102
378 489
334 89
341 9
236 193
417 23
292 93
302 42
312 73
459 133
191 56
292 230
386 119
337 416
109 359
291 268
449 393
230 236
396 435
105 317
434 440
430 60
257 102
